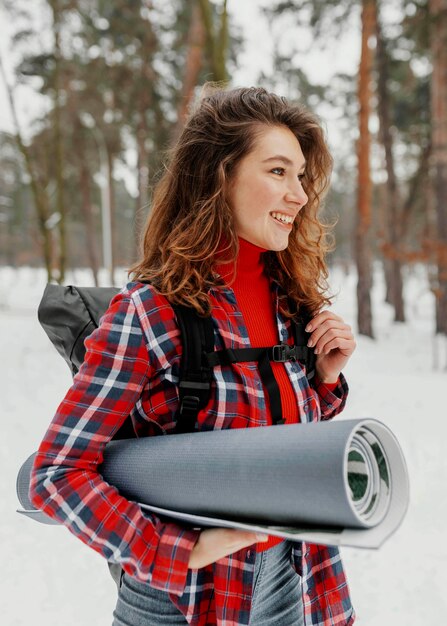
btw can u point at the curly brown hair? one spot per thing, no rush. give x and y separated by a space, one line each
191 216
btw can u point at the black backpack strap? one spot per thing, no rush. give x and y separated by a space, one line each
196 374
301 337
272 387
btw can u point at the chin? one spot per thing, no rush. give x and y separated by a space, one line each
279 247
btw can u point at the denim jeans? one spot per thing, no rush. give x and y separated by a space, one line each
139 604
276 596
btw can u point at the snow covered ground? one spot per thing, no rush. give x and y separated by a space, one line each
49 578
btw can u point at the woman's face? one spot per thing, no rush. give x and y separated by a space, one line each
265 192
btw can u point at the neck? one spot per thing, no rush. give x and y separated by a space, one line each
249 263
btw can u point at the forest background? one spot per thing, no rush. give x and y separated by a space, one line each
91 95
112 83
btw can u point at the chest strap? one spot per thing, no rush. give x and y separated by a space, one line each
199 358
278 354
263 356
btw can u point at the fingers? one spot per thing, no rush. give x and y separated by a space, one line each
237 539
216 543
321 318
345 345
329 332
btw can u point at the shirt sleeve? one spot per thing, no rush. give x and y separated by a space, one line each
332 398
65 482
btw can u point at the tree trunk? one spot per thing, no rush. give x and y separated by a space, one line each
362 243
40 199
438 39
87 213
111 188
222 44
144 105
393 237
86 205
193 65
422 173
216 44
58 147
142 201
382 238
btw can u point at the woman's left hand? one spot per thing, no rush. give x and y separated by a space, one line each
334 344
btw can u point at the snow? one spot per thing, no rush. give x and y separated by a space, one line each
50 578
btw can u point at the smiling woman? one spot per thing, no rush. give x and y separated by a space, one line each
234 236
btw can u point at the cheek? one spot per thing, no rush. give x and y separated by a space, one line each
261 198
253 201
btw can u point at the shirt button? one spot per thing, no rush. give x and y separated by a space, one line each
249 554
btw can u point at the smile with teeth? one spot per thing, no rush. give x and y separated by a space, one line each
282 218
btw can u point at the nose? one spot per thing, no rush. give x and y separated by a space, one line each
296 194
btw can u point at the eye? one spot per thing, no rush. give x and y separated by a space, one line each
278 170
301 177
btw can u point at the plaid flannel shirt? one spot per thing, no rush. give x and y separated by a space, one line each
132 369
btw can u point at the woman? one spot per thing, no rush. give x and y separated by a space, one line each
234 233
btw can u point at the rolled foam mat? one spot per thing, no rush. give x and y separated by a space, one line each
339 481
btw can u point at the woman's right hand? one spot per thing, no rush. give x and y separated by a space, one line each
216 543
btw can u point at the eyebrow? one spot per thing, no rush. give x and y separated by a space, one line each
284 159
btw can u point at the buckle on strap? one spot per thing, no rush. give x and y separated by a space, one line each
189 405
283 352
192 396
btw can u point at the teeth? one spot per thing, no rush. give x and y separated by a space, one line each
286 219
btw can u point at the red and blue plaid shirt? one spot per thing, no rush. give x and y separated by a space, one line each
132 369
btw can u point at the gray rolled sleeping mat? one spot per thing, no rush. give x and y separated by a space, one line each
340 482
